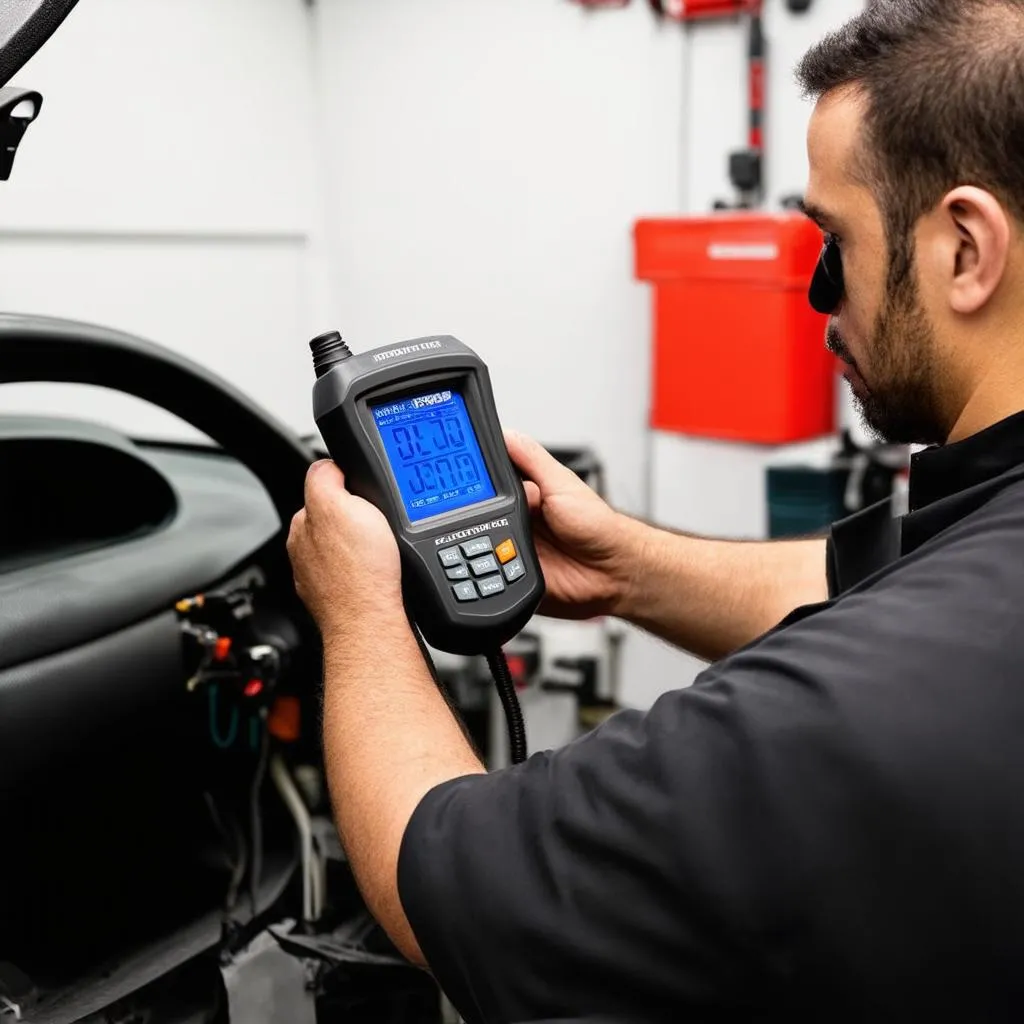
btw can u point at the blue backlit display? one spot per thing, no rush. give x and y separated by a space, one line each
434 453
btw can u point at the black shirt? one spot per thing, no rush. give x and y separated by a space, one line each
828 825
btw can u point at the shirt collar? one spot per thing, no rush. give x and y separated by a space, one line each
946 485
938 473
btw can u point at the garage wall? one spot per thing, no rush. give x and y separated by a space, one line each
169 189
488 160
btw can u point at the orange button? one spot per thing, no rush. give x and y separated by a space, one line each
505 551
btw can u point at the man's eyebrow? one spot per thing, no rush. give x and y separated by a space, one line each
816 213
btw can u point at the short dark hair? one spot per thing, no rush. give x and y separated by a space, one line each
943 82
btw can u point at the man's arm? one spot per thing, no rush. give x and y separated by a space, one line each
710 597
389 736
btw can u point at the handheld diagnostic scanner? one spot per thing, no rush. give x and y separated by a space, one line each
414 428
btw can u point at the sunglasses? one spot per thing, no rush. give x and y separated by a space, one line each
827 285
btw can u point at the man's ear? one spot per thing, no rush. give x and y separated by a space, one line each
980 242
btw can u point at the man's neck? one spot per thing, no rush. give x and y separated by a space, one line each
998 395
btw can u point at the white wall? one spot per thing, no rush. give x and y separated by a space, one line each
489 159
168 189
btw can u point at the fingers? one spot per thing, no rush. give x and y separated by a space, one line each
539 465
532 495
325 484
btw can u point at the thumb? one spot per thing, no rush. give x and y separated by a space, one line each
325 486
540 466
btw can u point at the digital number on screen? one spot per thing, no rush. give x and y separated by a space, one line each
434 453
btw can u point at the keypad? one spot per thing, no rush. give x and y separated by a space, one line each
482 567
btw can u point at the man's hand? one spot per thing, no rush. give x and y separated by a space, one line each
345 559
590 553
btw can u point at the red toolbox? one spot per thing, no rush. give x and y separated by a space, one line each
738 352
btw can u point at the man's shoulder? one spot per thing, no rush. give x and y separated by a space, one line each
1007 499
952 606
991 531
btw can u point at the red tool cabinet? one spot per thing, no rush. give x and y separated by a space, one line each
738 352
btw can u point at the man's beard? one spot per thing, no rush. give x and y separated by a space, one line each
901 406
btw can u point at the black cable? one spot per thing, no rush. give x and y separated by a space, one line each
506 692
510 702
256 821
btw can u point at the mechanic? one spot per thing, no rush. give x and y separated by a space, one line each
829 824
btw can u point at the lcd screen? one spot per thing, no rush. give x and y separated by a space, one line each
434 453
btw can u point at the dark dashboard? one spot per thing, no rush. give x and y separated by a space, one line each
111 866
161 771
98 531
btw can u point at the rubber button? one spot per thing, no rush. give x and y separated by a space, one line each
491 586
460 572
465 591
475 548
483 566
514 570
505 551
449 557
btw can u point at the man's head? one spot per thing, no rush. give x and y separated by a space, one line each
916 149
